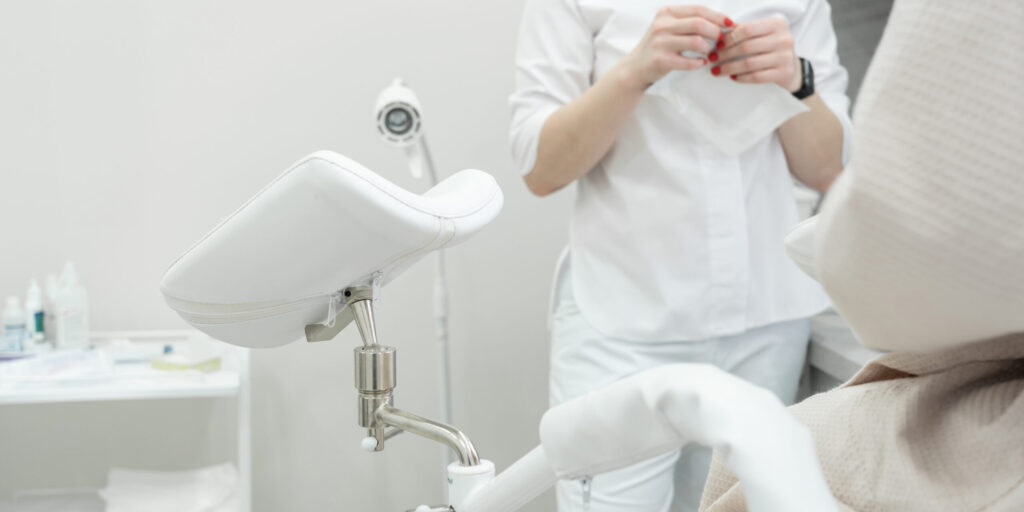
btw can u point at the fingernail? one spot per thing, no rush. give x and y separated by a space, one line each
713 56
719 45
705 62
733 77
728 22
716 71
721 37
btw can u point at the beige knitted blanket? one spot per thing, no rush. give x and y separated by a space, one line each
917 432
920 245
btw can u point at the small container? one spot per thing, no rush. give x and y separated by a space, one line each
50 309
72 311
14 326
34 316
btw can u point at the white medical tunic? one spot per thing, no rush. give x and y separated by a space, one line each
670 238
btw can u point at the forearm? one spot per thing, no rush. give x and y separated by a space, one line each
813 143
577 135
763 51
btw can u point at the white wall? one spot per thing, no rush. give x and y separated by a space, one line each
128 128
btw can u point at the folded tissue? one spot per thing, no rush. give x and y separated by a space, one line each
731 116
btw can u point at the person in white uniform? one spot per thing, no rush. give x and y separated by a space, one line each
676 249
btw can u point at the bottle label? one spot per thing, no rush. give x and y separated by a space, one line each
39 319
13 335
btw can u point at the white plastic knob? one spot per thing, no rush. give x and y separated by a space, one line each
370 444
422 508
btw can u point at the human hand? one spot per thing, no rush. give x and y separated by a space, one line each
675 29
764 53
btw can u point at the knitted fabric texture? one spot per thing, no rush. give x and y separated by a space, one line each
921 247
920 243
916 432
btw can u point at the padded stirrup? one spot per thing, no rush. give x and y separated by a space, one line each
325 224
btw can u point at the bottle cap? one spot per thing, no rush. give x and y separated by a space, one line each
34 291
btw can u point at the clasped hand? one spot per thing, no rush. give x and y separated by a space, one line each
759 51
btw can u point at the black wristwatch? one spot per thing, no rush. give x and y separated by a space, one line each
807 83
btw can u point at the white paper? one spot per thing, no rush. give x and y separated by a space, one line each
731 116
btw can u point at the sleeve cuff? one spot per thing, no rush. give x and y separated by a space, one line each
526 137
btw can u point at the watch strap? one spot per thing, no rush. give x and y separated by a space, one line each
807 80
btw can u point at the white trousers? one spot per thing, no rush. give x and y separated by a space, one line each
583 359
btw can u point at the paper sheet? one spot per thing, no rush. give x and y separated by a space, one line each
731 116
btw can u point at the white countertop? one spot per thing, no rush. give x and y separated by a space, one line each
95 375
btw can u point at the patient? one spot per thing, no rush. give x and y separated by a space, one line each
921 247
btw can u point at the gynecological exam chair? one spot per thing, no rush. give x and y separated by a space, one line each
309 254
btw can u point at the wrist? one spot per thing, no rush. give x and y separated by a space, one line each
797 81
627 78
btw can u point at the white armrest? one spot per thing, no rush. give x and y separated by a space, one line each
660 410
663 409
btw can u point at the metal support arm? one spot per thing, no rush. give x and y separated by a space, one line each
432 430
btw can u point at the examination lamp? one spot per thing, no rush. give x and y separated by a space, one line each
400 123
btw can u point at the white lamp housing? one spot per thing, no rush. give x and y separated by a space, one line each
400 123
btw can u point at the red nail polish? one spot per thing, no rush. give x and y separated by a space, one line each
719 45
721 37
704 62
713 56
728 22
733 77
716 71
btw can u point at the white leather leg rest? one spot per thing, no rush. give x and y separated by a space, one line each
663 409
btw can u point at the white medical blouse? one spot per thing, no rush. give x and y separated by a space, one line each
671 239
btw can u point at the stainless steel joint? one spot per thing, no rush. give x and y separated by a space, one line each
375 369
375 380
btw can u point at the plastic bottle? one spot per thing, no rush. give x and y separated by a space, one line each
34 316
72 311
14 326
50 309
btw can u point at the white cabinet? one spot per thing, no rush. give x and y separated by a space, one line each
111 374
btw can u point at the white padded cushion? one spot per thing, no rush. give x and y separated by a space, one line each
921 240
661 409
327 223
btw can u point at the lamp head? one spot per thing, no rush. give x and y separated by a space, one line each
398 115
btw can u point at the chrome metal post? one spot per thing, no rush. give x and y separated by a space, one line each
358 307
375 380
432 430
362 312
